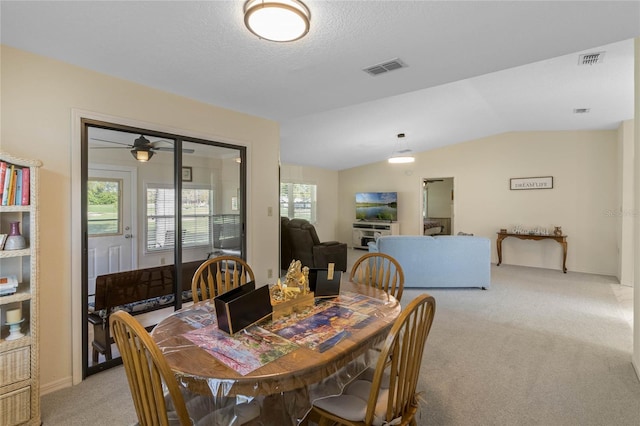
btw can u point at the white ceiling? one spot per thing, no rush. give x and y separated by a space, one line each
475 68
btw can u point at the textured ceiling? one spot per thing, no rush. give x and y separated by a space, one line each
474 68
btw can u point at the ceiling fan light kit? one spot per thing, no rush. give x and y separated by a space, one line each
142 148
401 155
277 20
142 155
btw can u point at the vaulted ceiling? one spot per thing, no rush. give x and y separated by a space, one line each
473 68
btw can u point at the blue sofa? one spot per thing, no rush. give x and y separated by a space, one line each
440 261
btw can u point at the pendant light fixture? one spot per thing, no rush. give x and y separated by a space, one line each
277 20
401 155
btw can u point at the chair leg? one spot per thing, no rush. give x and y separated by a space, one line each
313 416
101 340
326 422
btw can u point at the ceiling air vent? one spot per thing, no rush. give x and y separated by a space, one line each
591 58
391 65
581 110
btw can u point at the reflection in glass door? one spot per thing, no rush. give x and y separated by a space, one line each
211 202
176 221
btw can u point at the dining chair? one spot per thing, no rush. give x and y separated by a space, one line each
381 271
147 371
390 396
158 398
218 275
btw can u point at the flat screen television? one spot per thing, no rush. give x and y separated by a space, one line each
382 206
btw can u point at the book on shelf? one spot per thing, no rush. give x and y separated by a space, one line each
3 239
17 200
26 175
7 182
8 291
8 285
12 186
3 170
9 280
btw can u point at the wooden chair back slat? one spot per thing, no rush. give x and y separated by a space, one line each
381 271
219 275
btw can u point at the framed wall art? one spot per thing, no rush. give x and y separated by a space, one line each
186 174
542 182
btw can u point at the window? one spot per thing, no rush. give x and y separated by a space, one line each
298 200
196 217
103 207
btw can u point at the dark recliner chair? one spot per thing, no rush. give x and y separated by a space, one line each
300 241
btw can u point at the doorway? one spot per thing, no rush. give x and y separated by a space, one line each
110 221
154 205
437 206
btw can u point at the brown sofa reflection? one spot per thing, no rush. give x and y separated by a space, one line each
136 292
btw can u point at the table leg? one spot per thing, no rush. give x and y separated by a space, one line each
564 256
499 246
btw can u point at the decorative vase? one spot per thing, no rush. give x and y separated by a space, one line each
15 241
557 231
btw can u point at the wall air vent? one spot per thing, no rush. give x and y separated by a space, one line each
581 110
384 67
591 58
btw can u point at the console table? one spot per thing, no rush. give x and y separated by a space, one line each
561 239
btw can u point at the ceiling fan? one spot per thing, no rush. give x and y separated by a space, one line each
142 148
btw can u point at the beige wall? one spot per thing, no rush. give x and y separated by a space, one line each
626 212
37 100
327 196
583 165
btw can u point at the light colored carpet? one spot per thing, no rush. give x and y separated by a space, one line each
538 348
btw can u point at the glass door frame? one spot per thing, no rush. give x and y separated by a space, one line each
86 123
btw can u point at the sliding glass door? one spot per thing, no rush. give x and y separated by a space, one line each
156 206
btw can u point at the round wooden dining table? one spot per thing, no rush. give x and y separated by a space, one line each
298 377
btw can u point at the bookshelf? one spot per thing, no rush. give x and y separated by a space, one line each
19 341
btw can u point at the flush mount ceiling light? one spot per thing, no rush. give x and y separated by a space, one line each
401 155
277 20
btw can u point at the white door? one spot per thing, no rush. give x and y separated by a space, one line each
111 222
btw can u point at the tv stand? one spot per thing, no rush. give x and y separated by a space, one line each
364 232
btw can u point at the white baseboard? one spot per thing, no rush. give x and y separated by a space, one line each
66 382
